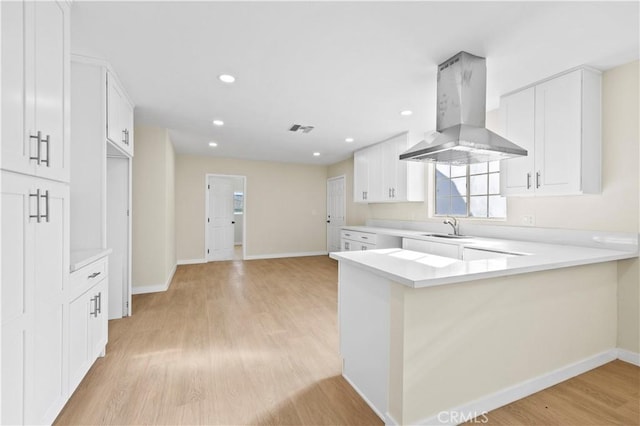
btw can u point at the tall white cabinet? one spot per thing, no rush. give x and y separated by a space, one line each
35 210
558 122
101 153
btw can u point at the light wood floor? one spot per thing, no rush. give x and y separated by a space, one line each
608 395
235 342
256 342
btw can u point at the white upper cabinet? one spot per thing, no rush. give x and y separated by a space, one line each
380 177
35 88
119 116
558 122
360 176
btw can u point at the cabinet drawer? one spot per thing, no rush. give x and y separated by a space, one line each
364 237
89 275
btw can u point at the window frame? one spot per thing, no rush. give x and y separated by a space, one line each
467 196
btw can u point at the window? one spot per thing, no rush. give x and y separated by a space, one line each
469 191
238 202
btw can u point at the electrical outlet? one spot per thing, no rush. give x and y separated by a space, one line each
529 220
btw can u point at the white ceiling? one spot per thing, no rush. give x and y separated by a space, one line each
347 68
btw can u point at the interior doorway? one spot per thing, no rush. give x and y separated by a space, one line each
118 233
225 217
336 211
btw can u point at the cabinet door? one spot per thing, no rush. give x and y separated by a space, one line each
79 363
360 176
16 149
127 123
115 131
47 87
98 320
17 292
389 169
35 258
51 257
119 116
558 135
517 115
376 191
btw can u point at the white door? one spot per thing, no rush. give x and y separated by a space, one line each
118 235
220 220
335 211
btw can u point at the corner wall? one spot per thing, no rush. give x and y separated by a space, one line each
153 213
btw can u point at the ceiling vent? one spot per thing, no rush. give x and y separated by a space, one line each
300 128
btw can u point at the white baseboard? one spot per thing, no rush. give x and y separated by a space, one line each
191 261
281 255
520 390
154 288
363 396
628 356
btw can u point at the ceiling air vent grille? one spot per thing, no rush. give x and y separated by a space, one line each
300 128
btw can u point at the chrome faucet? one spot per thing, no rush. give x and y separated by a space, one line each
454 224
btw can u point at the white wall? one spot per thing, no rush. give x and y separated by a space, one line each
153 212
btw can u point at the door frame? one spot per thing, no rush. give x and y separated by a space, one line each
344 204
206 212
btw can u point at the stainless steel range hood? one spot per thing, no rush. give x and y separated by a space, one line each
461 136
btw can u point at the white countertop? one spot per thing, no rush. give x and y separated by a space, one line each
416 269
81 258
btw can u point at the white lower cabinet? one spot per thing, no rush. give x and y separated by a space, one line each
35 278
87 320
358 240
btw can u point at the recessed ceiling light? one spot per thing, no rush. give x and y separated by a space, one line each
349 140
406 112
226 78
316 154
213 144
218 122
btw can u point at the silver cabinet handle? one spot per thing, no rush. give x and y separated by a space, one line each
346 245
46 204
537 179
45 140
347 235
529 180
94 301
99 303
38 138
95 274
124 136
37 215
364 247
365 238
39 142
393 193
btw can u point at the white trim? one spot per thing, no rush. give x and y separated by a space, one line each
155 288
281 255
363 396
628 356
526 388
191 261
344 205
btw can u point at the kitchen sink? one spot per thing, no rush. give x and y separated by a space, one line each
447 236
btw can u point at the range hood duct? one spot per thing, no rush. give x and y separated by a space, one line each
461 136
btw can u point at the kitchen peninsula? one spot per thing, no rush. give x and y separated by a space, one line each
427 338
